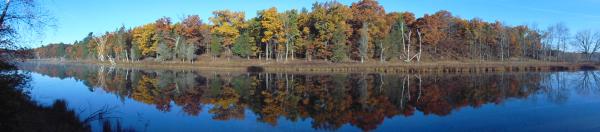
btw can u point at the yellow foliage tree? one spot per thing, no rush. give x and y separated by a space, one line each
272 28
142 36
227 25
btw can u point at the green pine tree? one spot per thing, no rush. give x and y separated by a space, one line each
339 49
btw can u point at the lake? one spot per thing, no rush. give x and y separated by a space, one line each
191 100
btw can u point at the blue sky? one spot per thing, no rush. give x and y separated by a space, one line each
76 18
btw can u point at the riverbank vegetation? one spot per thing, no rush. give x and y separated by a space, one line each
321 66
331 32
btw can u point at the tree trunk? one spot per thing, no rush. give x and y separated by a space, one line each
229 54
420 46
408 57
326 46
4 11
267 80
502 50
508 52
381 58
307 55
126 56
267 53
287 49
362 59
403 41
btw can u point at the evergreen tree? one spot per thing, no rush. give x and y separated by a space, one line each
90 45
215 46
394 39
60 50
136 53
84 50
190 53
242 46
164 52
339 48
121 45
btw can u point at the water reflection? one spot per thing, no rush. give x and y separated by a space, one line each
362 100
19 113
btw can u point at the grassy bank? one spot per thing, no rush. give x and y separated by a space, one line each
372 66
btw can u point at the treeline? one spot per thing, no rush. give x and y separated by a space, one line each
329 31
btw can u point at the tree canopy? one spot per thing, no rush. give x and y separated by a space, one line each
330 31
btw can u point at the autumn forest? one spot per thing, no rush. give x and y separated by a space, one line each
329 31
352 65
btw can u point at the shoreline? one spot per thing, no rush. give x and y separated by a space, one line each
372 66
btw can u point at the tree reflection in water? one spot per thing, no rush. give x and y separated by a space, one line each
363 100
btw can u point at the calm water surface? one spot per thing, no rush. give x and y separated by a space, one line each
184 100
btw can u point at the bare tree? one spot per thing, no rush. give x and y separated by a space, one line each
561 35
537 34
503 44
101 45
410 57
18 17
548 39
588 42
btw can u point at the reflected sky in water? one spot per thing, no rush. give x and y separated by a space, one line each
184 100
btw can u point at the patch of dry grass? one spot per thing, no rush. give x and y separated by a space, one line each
368 66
